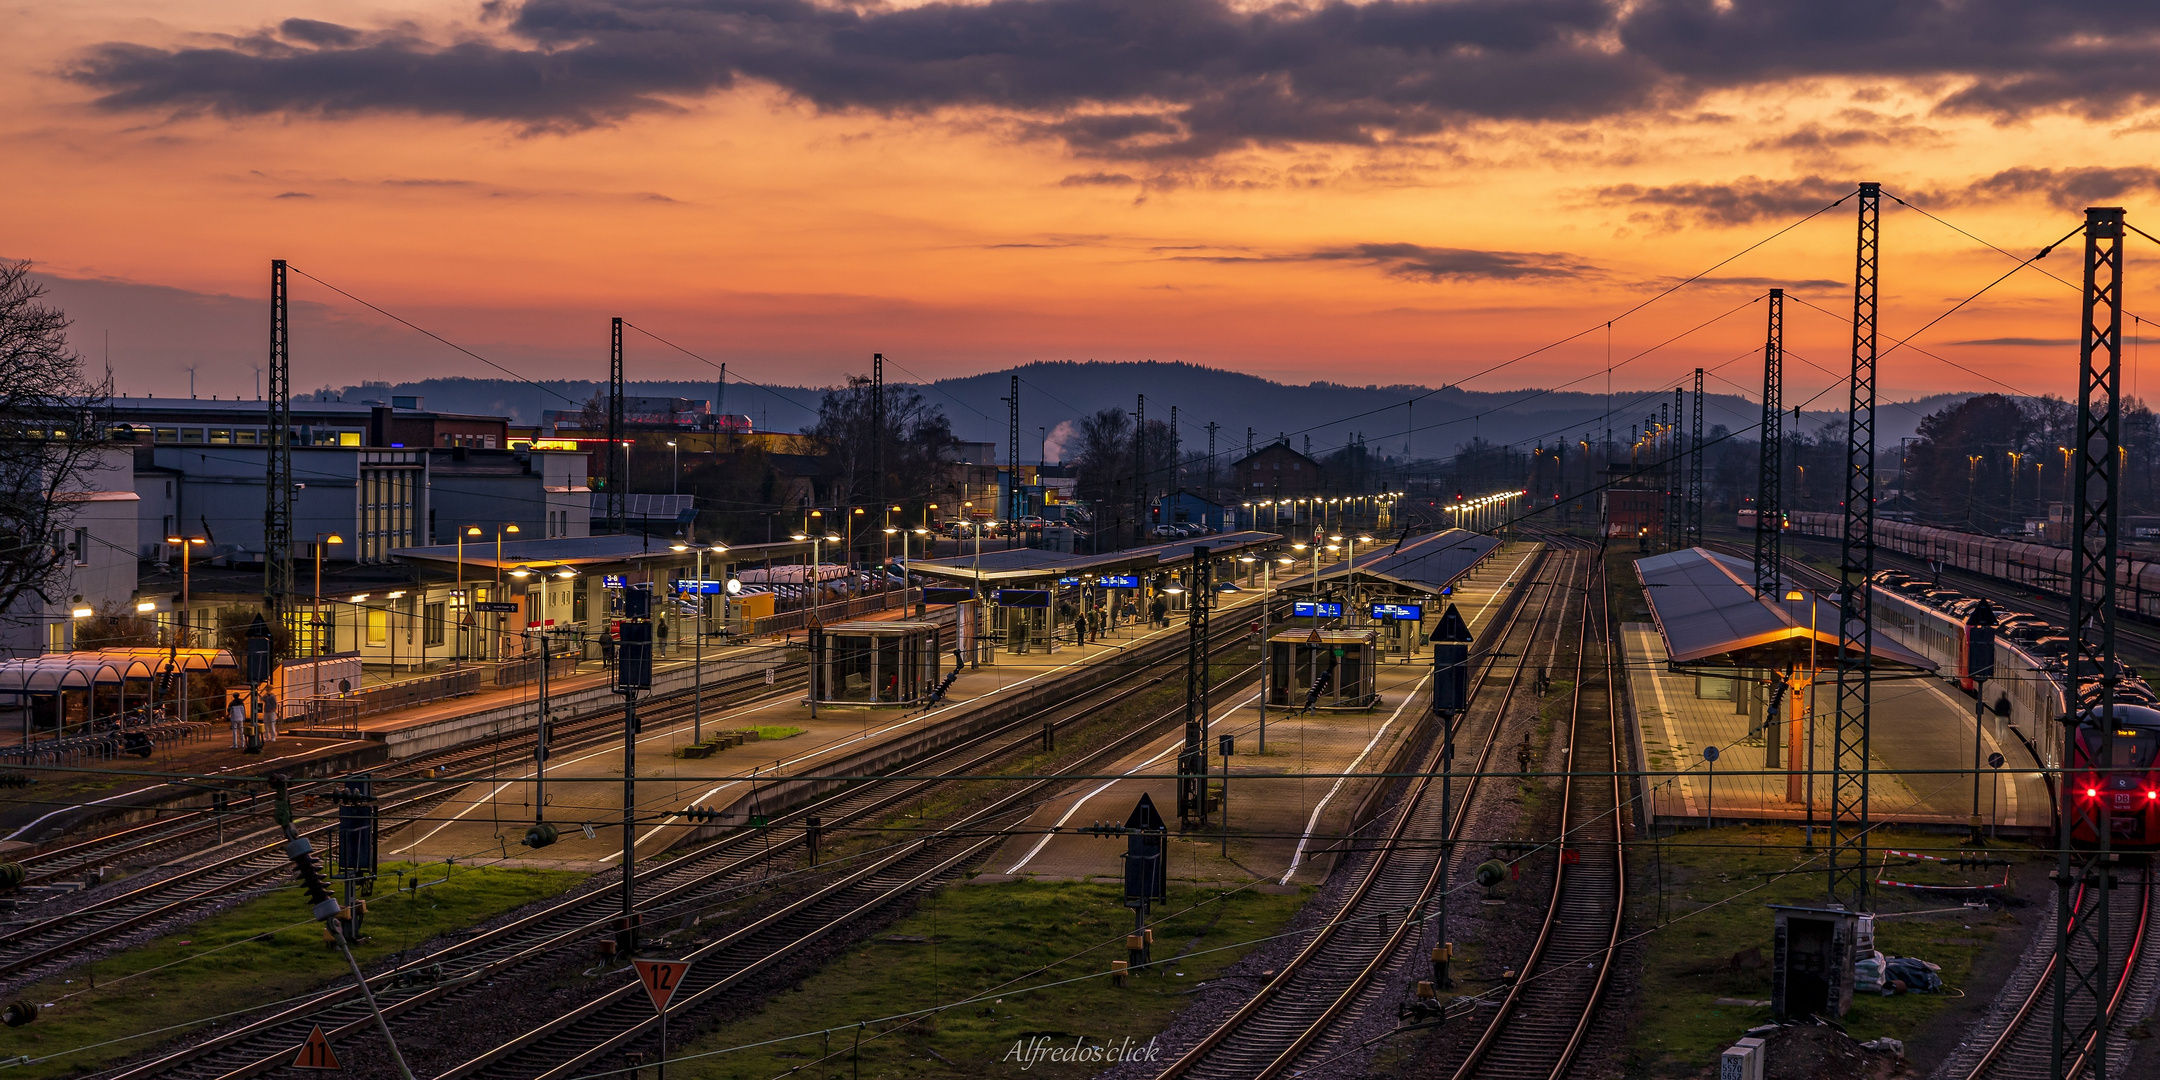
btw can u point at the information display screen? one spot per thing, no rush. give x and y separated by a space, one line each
1320 609
1118 581
1399 612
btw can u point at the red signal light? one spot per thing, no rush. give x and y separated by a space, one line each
2092 793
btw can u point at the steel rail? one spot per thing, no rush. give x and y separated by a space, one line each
1254 1041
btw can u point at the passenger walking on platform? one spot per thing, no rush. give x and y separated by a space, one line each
238 714
1159 612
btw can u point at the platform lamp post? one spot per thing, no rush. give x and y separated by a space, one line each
508 527
675 484
815 625
321 539
463 603
187 544
1792 763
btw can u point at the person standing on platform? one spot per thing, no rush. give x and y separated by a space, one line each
237 713
270 715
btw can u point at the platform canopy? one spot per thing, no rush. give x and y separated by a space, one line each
1032 564
1428 564
1706 609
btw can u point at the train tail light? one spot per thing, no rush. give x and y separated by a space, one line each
2092 793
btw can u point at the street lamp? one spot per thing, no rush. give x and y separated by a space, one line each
321 539
186 545
500 530
1792 762
675 487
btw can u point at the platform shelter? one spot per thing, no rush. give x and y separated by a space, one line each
1339 663
874 663
1399 589
1035 595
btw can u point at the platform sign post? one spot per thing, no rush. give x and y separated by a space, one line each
1451 698
661 977
1709 818
1979 667
1147 876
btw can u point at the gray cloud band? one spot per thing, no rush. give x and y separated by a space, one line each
1166 79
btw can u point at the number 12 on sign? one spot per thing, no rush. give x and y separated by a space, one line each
661 977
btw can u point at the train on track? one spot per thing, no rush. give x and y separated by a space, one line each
2129 780
2043 567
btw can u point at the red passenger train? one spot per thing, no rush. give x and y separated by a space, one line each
2128 782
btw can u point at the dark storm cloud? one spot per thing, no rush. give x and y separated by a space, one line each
1118 77
1738 202
1160 78
1416 262
2092 57
2067 189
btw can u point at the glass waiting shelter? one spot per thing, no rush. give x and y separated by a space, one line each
1338 664
874 663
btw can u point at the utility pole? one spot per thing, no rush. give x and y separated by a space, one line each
1770 477
277 474
2083 877
618 467
1695 470
1856 564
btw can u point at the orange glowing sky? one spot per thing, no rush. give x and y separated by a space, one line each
791 223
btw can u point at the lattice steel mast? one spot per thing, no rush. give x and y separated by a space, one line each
2083 970
1012 452
1856 564
1770 479
277 475
1695 480
1192 760
618 466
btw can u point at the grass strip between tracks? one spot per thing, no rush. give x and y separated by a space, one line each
251 954
971 938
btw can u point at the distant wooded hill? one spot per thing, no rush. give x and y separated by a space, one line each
1054 393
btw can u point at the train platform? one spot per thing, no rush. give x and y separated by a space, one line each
583 788
1288 808
1918 725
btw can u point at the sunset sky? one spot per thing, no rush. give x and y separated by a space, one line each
1367 193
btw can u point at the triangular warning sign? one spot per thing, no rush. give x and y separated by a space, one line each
661 977
1313 638
315 1053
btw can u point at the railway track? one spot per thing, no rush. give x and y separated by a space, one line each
245 862
1340 971
1540 1025
186 829
2023 1049
678 891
